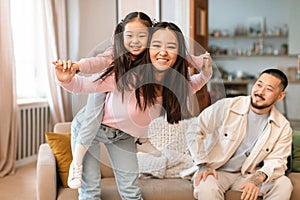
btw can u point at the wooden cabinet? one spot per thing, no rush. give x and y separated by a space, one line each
198 25
199 41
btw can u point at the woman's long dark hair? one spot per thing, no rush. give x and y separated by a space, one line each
176 87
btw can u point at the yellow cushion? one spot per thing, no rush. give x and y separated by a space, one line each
60 144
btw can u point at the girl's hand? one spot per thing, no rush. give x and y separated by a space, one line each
64 70
68 65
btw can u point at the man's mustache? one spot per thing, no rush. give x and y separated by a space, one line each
257 95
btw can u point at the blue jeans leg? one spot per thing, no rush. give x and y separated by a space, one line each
90 189
85 126
90 118
122 154
91 176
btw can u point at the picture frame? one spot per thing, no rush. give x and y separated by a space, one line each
150 7
256 26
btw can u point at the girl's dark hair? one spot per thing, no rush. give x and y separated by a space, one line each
176 87
122 58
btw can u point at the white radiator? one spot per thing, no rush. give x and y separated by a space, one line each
34 121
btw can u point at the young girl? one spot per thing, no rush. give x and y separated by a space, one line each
138 95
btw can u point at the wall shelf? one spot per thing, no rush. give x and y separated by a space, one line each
247 45
248 37
232 57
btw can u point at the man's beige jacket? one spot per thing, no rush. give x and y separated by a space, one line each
216 133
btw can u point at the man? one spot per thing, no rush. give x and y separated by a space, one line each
243 143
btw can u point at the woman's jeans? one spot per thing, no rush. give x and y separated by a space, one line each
120 147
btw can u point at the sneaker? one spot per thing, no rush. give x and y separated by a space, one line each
75 173
147 147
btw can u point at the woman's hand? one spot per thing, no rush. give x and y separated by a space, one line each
207 66
65 70
202 63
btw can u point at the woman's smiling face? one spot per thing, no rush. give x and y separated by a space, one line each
163 49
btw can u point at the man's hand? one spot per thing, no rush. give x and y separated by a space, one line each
250 191
202 174
252 186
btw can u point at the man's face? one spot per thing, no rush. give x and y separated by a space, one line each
266 91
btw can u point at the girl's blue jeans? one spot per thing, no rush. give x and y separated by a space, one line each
88 130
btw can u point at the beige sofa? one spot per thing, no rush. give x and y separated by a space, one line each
48 187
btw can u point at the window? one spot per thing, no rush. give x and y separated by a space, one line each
31 76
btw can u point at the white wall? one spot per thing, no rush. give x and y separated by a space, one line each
294 39
230 13
177 11
91 23
150 7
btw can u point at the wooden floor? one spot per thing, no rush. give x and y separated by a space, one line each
21 185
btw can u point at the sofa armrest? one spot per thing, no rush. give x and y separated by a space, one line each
46 174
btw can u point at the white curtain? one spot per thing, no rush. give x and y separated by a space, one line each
8 105
54 20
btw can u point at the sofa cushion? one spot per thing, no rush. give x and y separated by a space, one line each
295 178
152 189
60 144
296 151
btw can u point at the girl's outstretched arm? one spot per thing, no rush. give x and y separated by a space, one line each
90 65
87 84
96 64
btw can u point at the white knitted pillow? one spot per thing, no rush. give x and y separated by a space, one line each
174 171
171 140
151 166
168 136
168 165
